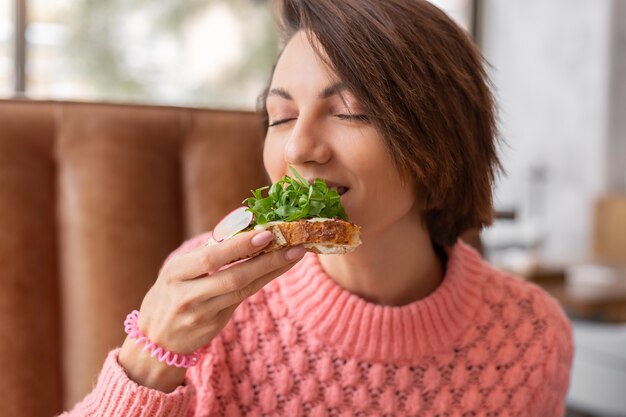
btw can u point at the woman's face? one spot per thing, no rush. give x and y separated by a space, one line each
319 128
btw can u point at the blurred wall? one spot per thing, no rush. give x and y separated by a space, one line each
617 100
561 115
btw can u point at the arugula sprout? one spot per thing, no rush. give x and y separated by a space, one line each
292 199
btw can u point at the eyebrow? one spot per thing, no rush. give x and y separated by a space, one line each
327 92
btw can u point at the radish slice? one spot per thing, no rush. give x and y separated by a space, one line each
233 223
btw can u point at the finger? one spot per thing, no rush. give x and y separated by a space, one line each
208 259
226 301
211 326
239 276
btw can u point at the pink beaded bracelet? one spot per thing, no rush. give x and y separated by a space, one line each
170 358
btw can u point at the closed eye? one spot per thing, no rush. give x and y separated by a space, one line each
357 117
280 121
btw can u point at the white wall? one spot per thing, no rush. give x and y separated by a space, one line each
617 101
550 63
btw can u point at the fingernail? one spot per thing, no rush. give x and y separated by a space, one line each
262 238
295 253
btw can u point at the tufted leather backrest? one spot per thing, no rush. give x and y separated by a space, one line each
92 199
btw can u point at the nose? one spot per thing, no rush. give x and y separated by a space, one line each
307 144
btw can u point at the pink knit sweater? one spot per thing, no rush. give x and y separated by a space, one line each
483 344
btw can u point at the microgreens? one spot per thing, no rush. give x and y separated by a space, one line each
292 199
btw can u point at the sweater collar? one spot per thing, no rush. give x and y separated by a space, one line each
374 332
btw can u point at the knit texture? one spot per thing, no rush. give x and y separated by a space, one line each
483 343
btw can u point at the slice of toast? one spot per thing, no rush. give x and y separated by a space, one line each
324 236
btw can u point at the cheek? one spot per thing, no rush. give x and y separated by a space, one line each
376 165
273 159
393 192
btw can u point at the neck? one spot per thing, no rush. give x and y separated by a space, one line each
395 266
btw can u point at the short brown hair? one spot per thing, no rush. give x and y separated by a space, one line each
422 82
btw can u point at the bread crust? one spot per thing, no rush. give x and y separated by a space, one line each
326 236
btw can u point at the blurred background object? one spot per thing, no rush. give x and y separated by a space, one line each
215 53
558 69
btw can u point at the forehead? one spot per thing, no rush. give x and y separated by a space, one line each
300 66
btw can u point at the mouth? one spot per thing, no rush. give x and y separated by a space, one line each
341 190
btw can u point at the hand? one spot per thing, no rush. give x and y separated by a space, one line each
193 298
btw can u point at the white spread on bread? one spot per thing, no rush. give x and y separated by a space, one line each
329 249
270 224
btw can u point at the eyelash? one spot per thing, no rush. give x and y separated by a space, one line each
357 117
280 122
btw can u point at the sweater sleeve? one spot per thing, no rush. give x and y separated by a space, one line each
549 397
115 395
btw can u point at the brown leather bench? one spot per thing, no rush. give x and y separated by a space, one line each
92 199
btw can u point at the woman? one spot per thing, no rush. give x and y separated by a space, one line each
389 99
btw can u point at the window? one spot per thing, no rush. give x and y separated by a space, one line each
205 53
459 10
6 48
49 70
209 53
